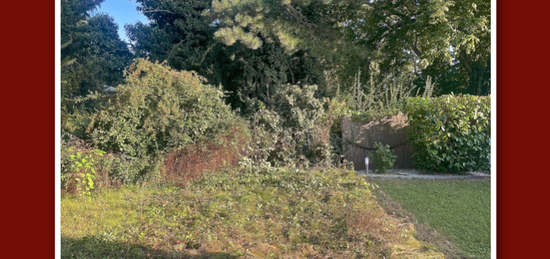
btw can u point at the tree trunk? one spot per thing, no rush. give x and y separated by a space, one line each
464 60
417 51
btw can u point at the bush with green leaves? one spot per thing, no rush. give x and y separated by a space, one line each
450 133
79 166
295 130
158 110
82 165
383 157
108 169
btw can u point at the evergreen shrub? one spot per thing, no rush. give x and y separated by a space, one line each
450 133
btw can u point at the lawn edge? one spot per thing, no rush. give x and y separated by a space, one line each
423 232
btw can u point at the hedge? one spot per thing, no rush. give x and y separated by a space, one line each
450 134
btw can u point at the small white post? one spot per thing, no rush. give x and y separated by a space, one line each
367 165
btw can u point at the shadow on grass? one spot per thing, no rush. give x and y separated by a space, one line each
93 247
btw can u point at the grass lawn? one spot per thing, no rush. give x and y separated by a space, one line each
458 211
275 213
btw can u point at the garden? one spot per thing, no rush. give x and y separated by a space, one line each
217 131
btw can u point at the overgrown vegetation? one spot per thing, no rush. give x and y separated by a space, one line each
450 133
458 211
254 92
296 128
155 112
254 212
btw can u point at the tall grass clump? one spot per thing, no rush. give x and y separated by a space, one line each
371 93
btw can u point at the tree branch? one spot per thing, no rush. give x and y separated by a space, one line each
464 60
152 11
118 50
417 51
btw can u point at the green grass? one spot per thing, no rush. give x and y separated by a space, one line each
268 213
460 210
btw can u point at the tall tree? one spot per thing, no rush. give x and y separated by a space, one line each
398 34
93 55
177 32
73 14
419 33
180 33
315 25
99 55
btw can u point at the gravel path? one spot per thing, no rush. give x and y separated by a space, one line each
409 174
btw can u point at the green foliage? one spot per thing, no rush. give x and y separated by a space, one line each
80 168
294 24
480 79
258 75
295 129
98 55
112 169
184 38
86 173
159 110
402 37
450 133
382 95
177 32
383 158
92 56
450 78
259 212
427 30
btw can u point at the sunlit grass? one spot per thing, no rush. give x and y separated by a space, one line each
279 213
458 209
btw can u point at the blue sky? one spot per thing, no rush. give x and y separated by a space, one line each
124 12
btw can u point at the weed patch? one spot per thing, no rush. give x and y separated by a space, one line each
264 213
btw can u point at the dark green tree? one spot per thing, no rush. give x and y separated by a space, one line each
92 55
100 54
179 33
480 79
74 14
399 36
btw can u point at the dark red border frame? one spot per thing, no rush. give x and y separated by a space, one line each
28 129
28 110
522 103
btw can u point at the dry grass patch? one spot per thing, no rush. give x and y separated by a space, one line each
251 213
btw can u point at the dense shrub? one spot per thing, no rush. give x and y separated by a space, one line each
159 110
295 130
450 133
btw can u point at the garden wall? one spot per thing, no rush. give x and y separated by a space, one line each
358 137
